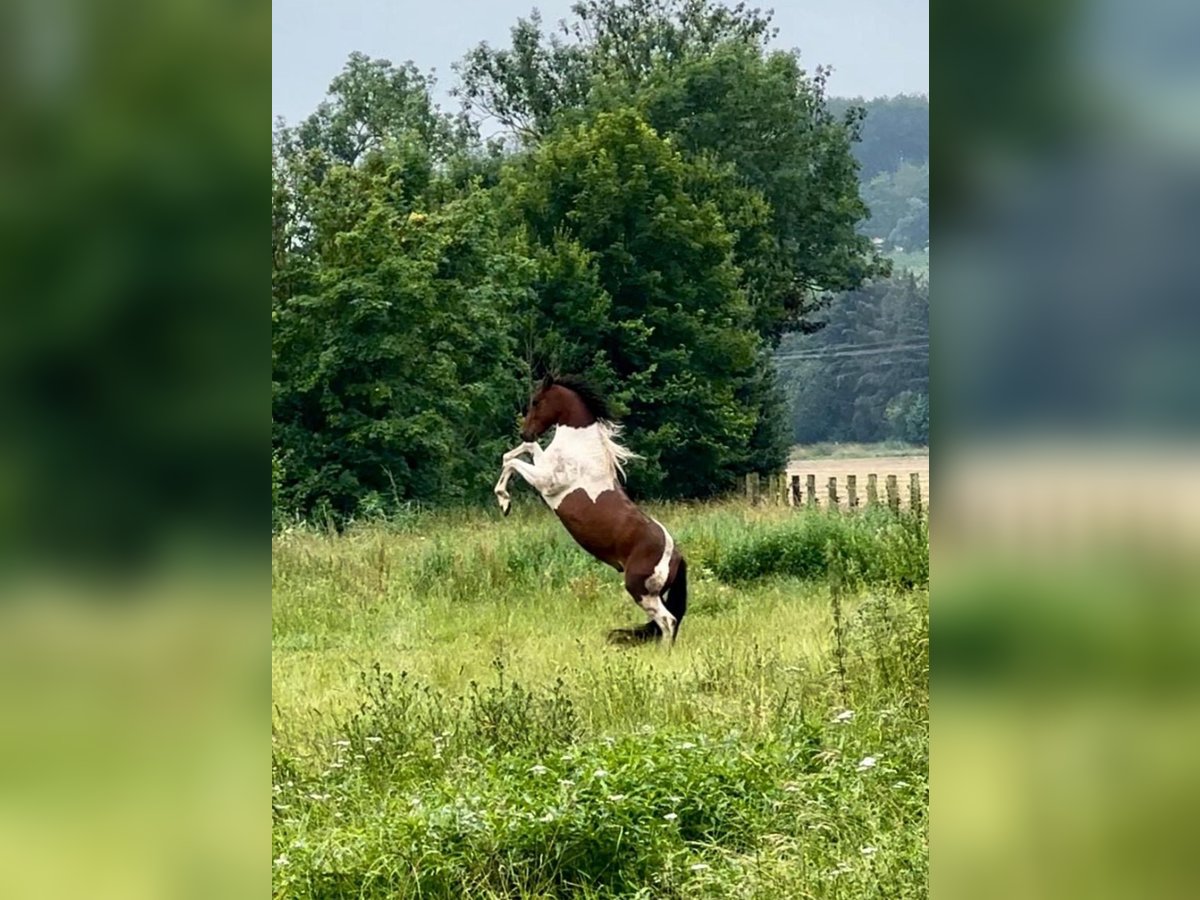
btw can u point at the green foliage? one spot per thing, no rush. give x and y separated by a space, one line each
638 290
899 202
700 73
908 416
875 547
393 370
373 103
871 357
769 120
895 131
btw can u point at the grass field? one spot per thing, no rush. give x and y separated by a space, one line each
450 723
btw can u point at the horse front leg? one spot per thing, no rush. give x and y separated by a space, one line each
542 479
506 471
501 489
531 447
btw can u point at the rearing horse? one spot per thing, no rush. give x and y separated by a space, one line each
578 477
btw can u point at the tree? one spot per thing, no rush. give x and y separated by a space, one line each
865 375
768 120
700 73
530 85
394 368
899 203
372 103
894 130
637 288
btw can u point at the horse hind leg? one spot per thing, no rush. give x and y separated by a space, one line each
662 623
660 616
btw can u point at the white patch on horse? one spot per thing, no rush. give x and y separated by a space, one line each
653 605
587 458
658 577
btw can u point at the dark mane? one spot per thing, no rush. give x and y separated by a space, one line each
595 403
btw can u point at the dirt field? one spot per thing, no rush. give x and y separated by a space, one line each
861 467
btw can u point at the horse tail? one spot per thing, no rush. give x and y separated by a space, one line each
675 598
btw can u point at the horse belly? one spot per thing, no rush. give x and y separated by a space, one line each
596 525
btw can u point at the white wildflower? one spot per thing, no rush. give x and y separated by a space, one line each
867 762
539 769
844 716
670 817
600 773
281 859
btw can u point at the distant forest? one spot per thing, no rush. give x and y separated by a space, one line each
859 370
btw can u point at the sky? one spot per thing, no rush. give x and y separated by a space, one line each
876 47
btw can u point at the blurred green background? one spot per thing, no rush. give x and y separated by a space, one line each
1065 404
134 390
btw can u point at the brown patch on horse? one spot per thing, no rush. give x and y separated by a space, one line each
611 528
555 404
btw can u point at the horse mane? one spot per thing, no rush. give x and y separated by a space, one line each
595 402
618 453
598 406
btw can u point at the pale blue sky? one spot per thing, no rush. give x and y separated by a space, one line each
876 47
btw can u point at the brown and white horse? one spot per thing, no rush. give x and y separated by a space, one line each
578 475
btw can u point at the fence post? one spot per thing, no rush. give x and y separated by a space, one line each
833 497
914 492
852 490
795 490
872 490
893 494
751 484
810 484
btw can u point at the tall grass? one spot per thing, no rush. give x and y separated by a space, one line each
449 722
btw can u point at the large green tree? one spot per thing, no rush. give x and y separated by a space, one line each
700 72
394 365
393 286
638 289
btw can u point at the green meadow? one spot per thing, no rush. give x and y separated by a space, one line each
449 721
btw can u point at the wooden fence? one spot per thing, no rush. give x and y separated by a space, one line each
781 489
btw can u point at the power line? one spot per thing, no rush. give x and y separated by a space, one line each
855 345
814 355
